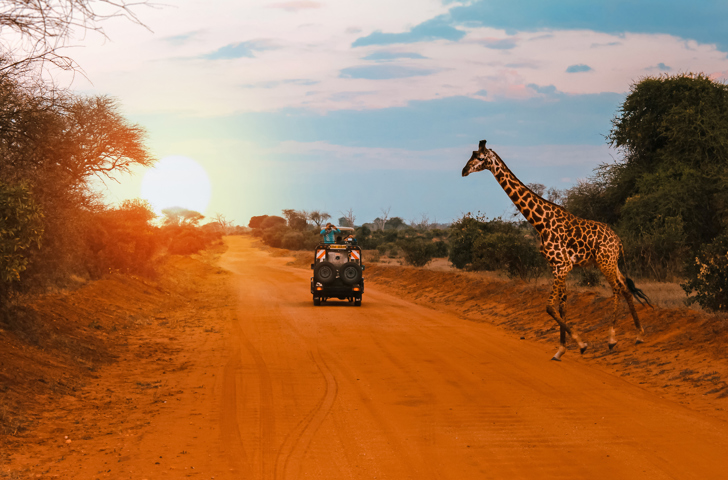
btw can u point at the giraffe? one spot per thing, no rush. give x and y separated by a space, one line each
566 241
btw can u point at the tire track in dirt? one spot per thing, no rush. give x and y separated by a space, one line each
229 426
295 446
266 413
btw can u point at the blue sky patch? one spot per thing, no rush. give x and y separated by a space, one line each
384 72
438 28
578 68
384 56
238 50
696 21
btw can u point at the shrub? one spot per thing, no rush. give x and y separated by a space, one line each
441 249
186 242
273 237
293 240
123 239
20 228
462 237
513 252
708 275
588 276
417 251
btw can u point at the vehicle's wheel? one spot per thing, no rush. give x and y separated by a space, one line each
350 273
357 302
317 301
324 272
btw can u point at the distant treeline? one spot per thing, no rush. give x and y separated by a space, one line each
667 199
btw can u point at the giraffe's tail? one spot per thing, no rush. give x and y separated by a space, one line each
638 294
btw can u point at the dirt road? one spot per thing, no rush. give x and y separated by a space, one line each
396 390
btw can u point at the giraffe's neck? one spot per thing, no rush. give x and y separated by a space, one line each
533 207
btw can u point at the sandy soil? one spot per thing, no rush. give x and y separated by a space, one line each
227 374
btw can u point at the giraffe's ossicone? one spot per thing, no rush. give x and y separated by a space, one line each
566 241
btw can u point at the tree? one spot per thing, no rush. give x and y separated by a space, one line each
394 223
380 222
673 132
348 218
296 220
46 26
668 195
257 221
318 218
223 224
179 217
423 223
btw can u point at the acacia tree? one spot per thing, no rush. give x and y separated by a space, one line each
180 217
668 195
44 27
56 145
318 217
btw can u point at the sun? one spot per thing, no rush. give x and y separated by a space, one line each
177 181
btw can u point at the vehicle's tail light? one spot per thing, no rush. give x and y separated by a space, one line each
356 289
319 288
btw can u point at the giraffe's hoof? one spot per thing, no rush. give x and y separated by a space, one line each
639 341
612 345
583 349
555 359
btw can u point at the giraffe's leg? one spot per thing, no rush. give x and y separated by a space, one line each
562 330
619 287
610 272
562 345
557 299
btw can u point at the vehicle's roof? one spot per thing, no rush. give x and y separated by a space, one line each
346 229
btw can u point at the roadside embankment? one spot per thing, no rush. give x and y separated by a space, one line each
683 356
79 366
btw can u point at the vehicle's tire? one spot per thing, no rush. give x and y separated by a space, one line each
317 301
357 302
324 272
350 273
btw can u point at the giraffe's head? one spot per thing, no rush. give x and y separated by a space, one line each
482 159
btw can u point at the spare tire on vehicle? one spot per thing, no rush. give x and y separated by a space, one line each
350 273
324 272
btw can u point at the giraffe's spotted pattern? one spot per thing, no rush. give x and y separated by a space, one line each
566 241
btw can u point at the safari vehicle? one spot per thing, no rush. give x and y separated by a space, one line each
337 271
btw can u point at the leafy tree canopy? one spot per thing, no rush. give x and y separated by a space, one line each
673 133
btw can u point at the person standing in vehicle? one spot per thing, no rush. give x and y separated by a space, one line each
329 233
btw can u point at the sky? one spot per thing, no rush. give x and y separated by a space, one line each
338 105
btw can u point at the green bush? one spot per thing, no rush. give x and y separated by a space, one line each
588 276
293 240
20 229
273 236
441 249
708 276
513 252
417 251
123 239
463 234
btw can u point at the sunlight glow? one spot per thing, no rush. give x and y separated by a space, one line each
177 181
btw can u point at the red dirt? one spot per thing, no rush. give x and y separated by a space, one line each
234 374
